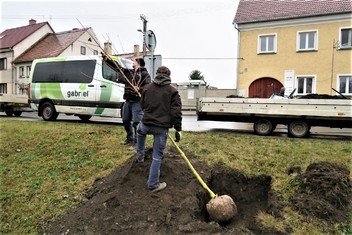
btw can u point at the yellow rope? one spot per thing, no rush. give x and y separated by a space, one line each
211 193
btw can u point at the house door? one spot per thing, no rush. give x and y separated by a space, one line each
264 87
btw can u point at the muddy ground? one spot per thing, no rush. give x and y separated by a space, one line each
121 204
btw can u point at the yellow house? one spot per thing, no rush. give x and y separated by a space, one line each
305 46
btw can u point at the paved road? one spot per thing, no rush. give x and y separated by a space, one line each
190 123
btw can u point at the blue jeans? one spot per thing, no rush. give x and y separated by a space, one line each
132 111
160 137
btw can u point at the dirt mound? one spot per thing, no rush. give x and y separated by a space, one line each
121 204
321 96
325 192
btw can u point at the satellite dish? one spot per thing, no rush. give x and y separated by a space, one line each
150 40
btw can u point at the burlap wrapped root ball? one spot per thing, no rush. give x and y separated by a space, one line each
221 208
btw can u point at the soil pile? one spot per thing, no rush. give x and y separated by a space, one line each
121 204
325 192
322 96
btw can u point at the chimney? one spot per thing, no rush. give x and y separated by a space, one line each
136 50
107 48
32 22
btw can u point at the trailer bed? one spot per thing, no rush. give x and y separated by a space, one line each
313 112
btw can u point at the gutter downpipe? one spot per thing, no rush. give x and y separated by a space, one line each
13 74
238 55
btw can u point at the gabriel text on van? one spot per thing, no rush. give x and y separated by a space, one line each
77 94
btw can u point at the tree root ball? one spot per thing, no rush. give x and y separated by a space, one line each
221 208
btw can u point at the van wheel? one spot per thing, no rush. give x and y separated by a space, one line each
263 127
298 129
48 112
84 117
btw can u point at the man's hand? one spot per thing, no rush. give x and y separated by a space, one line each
178 136
136 89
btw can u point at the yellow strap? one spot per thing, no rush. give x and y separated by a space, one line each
211 193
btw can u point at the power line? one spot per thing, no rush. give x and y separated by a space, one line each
202 58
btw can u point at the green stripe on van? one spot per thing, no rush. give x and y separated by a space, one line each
52 59
33 89
52 90
99 110
105 95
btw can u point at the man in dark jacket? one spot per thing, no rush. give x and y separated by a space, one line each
132 111
162 106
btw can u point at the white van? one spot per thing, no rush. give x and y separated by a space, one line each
84 86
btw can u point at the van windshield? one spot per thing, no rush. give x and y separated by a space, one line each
81 71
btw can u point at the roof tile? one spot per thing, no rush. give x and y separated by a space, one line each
250 11
51 45
11 37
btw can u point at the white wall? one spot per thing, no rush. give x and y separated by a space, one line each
75 48
31 39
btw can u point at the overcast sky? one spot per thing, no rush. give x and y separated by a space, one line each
184 29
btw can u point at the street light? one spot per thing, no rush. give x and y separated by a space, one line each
144 45
145 21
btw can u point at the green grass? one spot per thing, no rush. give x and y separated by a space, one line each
45 167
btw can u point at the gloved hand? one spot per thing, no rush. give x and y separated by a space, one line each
178 136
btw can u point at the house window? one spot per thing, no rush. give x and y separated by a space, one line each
23 90
345 84
305 85
307 41
83 50
3 63
3 88
267 43
28 71
346 38
21 71
95 52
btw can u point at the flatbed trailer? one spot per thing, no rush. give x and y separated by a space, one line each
14 104
298 114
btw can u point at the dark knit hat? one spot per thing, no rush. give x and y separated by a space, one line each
141 62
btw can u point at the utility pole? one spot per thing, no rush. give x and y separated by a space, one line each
145 21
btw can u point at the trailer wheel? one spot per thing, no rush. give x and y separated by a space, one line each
298 129
48 112
9 113
84 117
17 113
263 127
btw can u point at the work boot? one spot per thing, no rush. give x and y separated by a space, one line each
139 160
133 146
159 188
127 142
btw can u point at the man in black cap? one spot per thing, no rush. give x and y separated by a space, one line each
132 111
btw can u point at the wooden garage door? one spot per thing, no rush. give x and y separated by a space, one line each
263 87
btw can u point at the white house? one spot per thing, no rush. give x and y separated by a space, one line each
20 46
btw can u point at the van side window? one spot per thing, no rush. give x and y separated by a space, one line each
112 74
81 71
